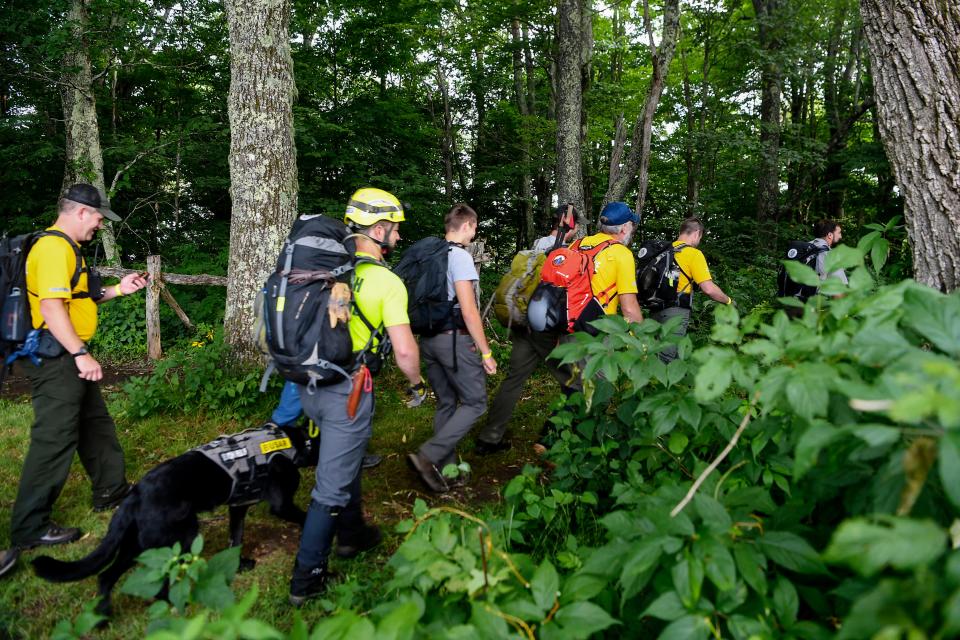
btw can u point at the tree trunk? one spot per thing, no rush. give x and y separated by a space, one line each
447 148
526 194
84 160
638 160
915 60
263 167
771 79
569 102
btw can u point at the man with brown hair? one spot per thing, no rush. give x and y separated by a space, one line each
457 359
693 270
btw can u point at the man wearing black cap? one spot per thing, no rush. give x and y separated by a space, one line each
69 412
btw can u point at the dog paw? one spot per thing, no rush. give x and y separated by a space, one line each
246 564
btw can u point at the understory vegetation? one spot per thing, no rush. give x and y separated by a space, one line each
783 479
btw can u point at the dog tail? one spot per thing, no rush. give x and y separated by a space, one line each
62 571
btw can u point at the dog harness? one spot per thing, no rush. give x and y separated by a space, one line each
246 457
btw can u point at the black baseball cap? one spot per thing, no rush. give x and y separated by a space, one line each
89 195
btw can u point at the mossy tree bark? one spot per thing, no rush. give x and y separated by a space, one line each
263 168
915 60
84 159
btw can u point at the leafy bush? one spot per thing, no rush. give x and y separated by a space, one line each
200 378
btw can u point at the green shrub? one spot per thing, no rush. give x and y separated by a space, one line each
200 378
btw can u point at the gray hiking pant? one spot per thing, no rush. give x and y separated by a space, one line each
530 349
461 392
669 354
343 442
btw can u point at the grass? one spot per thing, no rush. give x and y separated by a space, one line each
31 607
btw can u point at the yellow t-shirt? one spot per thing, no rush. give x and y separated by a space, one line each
51 264
693 264
382 298
615 272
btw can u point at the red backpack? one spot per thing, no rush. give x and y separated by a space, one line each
564 300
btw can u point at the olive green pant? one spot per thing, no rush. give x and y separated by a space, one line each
69 416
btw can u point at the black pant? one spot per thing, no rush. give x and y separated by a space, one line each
69 416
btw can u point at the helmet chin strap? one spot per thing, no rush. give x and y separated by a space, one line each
384 247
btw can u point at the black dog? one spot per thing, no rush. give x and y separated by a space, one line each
239 470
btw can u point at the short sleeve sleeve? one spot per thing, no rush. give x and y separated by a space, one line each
698 267
395 303
461 266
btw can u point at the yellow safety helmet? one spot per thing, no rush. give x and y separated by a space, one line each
369 206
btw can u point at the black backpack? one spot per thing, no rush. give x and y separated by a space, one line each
293 310
423 269
15 321
658 274
804 253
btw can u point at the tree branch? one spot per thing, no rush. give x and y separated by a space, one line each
723 454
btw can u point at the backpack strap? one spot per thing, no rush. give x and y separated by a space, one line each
75 278
605 297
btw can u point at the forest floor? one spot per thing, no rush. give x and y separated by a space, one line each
31 607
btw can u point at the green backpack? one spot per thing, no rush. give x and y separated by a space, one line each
513 294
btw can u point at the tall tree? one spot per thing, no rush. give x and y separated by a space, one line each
769 24
915 59
573 44
84 159
263 167
638 159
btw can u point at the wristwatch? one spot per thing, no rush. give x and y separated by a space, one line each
82 352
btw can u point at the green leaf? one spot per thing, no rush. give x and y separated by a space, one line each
785 601
545 585
842 257
179 595
801 273
197 545
935 316
258 630
690 627
678 442
816 437
878 253
583 619
666 607
400 623
869 545
949 464
582 586
807 390
213 592
688 580
714 515
719 563
143 583
790 551
344 625
225 563
639 564
751 564
714 375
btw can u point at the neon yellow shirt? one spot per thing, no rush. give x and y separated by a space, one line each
50 266
615 272
692 262
382 298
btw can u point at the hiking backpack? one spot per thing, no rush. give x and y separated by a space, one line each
423 269
564 300
804 253
15 319
303 310
512 296
657 275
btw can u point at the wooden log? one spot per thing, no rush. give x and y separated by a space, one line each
170 300
171 278
154 351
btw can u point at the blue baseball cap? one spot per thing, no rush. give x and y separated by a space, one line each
618 213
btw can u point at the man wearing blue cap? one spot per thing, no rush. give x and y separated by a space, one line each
615 277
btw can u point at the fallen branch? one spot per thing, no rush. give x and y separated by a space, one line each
713 465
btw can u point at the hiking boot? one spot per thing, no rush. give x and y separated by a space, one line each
371 460
55 534
8 560
485 448
109 500
308 584
351 544
429 473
